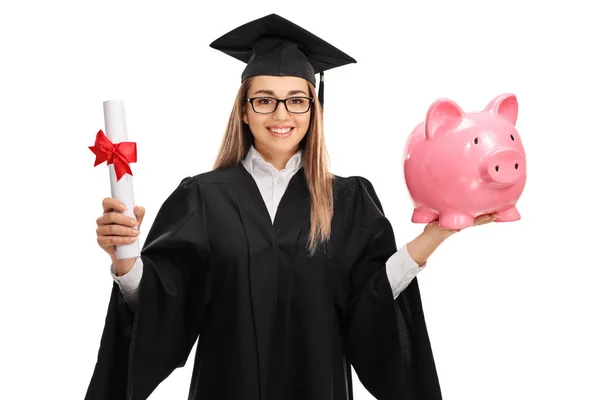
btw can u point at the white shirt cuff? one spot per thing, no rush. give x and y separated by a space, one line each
130 282
401 269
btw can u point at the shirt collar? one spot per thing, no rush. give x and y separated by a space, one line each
254 158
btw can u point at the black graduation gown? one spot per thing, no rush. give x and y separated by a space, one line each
271 323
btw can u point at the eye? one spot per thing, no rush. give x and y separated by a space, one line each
512 137
476 140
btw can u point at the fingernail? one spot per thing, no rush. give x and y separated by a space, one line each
123 206
132 221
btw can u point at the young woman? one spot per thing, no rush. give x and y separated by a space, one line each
285 273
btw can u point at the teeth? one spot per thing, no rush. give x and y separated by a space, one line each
283 130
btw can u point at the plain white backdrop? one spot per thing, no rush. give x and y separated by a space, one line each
512 309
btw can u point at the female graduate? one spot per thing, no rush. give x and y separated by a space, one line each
285 273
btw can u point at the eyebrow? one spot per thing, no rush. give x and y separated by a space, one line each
271 93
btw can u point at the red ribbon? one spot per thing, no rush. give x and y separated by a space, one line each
120 154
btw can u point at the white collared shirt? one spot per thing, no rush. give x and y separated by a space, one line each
272 183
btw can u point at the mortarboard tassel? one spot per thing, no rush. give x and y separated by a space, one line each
321 88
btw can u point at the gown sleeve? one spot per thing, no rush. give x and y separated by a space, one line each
138 350
386 339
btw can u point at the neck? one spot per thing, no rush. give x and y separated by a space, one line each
278 160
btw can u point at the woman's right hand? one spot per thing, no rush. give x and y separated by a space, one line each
115 228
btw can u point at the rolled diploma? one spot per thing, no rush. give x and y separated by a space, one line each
116 131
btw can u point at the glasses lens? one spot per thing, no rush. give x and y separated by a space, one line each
264 104
298 104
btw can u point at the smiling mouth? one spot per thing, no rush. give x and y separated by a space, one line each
281 131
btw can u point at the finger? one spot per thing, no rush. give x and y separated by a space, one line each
116 218
116 230
106 241
139 212
480 219
486 218
491 217
109 204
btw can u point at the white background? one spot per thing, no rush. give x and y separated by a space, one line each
512 309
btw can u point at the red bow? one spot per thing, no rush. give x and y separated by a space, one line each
120 154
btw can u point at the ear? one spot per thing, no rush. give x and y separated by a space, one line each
505 105
244 114
442 115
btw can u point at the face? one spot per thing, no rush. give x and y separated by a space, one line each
270 131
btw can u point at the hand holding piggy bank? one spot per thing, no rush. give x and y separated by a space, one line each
460 165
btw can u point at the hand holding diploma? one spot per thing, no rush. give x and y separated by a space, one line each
115 228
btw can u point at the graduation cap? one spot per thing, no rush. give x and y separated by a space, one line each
272 45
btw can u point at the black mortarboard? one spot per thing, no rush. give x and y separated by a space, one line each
272 45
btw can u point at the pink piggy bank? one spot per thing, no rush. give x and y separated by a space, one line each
460 165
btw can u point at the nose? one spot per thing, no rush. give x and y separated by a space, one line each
502 166
280 112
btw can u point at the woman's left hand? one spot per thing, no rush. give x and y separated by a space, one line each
424 245
434 227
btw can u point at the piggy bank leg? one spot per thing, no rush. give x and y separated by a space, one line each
455 221
424 215
510 214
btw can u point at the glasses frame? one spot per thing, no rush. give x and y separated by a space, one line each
284 101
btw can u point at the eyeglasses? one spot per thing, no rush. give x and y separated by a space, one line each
267 105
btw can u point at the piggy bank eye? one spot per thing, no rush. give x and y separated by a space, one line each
512 137
476 140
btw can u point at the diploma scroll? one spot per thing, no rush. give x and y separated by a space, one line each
122 189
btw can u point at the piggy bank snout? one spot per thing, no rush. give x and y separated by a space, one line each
502 166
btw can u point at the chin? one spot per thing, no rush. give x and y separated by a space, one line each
284 145
280 145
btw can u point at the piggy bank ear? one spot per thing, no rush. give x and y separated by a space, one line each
506 106
444 114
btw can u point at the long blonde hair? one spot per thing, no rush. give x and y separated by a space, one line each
315 160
